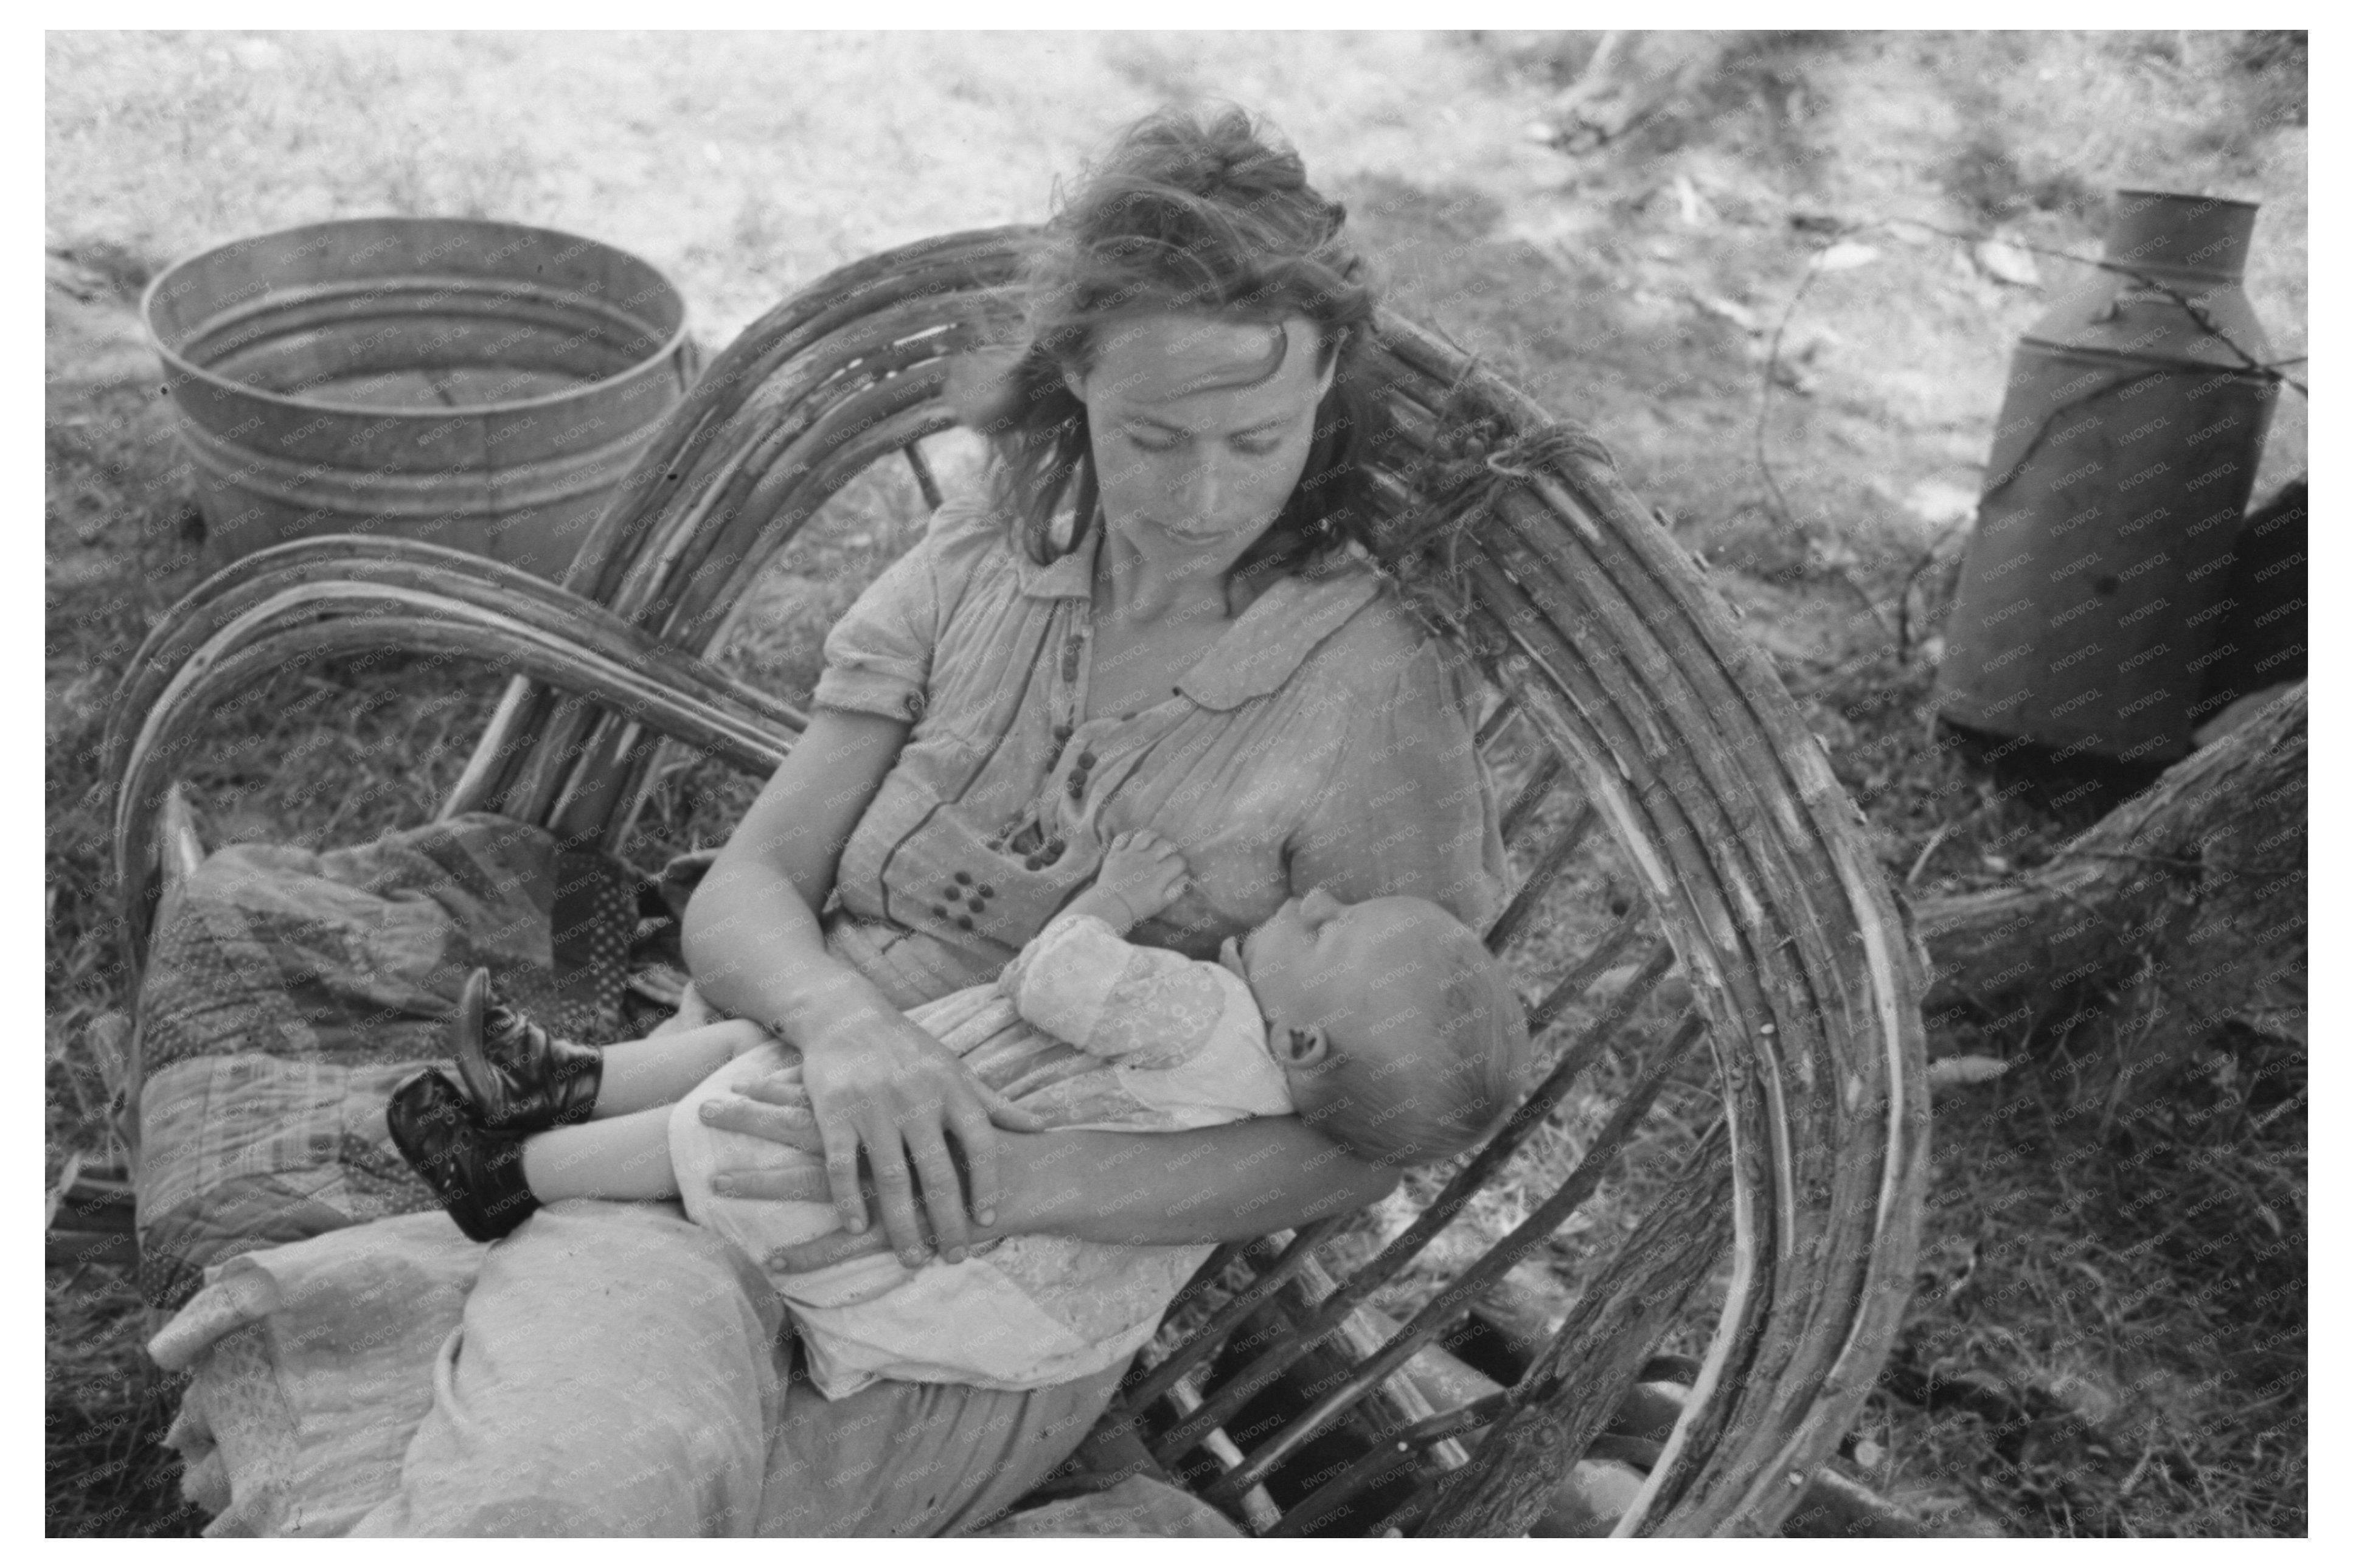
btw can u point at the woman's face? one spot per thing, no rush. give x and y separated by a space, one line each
1197 447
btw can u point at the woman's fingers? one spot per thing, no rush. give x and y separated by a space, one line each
976 1136
894 1191
943 1193
1003 1112
838 1144
834 1246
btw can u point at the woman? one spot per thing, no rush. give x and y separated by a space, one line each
1154 622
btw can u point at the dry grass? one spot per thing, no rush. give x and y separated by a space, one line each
2135 1297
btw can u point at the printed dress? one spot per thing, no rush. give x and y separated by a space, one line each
1325 738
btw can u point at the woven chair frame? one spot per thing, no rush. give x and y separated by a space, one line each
1607 651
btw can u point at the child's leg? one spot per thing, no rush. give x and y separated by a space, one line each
640 1074
618 1157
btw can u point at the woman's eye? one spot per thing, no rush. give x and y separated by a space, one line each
1256 448
1141 444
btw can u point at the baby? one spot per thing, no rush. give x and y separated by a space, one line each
1386 1024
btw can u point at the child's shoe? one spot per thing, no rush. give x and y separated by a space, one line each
477 1171
520 1077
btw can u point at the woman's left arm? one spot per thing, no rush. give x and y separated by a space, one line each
1230 1182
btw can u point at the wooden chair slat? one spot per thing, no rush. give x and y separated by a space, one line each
1785 889
1490 729
1564 1401
1362 1475
950 268
1596 963
1258 1508
1205 1341
399 588
1539 784
1557 858
662 504
924 481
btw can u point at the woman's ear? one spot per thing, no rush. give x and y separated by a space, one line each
1323 378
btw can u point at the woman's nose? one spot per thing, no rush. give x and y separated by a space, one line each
1204 487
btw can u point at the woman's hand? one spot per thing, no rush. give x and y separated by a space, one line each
875 1085
777 1107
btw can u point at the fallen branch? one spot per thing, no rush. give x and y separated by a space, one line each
2178 911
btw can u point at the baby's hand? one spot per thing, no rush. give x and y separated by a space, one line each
1144 871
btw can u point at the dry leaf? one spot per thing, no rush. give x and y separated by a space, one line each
1846 255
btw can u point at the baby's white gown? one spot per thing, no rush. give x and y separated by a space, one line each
1083 1029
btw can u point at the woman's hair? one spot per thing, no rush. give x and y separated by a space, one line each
1411 1109
1214 220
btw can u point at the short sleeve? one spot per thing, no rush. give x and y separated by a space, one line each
1081 981
1407 808
878 658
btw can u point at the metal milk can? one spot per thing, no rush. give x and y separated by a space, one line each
2095 584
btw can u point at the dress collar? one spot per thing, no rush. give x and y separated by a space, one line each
1265 647
1273 638
1070 575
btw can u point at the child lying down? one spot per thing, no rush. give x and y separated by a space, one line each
1385 1022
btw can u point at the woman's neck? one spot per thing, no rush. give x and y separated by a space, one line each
1135 589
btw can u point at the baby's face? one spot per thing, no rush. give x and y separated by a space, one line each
1347 969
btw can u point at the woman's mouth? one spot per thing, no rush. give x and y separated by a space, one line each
1190 536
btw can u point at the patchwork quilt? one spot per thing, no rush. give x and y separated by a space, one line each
286 991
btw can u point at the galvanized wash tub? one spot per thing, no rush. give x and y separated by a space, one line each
478 384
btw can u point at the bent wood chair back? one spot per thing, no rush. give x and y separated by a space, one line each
1752 962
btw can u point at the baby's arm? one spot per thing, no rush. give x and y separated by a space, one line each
1077 981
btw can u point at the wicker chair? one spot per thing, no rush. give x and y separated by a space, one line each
1621 697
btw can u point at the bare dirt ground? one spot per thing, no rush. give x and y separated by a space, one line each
1770 240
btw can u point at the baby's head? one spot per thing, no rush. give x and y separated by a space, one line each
1399 1033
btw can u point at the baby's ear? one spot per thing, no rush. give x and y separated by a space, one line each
1300 1047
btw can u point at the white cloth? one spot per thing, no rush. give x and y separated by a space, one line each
1170 1043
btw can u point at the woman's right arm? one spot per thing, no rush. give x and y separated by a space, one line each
876 1081
751 932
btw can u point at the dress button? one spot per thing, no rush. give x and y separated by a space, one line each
965 921
986 891
1086 760
964 877
1061 732
951 891
1031 862
938 913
